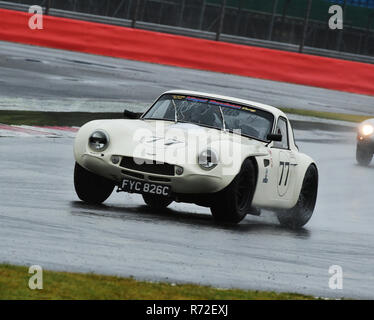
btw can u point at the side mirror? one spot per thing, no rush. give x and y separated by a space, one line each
127 114
274 137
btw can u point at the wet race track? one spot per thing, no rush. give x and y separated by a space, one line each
42 222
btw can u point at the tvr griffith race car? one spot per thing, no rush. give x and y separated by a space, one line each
365 142
232 155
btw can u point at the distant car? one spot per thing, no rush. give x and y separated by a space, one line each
234 156
365 142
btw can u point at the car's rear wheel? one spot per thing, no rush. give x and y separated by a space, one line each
90 187
232 204
299 215
156 202
363 155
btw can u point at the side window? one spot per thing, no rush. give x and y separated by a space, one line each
293 136
282 129
163 109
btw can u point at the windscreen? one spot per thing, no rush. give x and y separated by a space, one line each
212 113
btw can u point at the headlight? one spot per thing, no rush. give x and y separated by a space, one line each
367 129
98 141
208 159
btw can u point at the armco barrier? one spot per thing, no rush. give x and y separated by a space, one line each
141 45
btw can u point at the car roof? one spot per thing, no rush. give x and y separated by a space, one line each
275 111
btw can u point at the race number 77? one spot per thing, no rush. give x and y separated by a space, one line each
283 165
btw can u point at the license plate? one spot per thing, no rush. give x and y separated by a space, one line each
134 186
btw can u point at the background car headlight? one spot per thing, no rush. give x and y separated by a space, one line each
208 159
367 129
98 141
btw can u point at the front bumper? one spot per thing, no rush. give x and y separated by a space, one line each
193 180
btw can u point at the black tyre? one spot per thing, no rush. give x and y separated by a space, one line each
233 203
90 187
156 202
363 155
299 215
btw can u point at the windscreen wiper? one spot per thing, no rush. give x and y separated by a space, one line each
223 119
175 111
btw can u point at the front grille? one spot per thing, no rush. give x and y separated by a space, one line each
146 166
133 174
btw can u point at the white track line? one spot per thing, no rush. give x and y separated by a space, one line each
31 131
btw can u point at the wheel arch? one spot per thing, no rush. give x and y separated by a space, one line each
303 164
254 160
237 168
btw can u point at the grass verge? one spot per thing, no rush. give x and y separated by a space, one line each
39 118
328 115
61 285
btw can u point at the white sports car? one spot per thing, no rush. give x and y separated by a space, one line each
234 156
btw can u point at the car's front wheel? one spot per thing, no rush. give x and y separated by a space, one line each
156 202
363 155
90 187
299 215
234 202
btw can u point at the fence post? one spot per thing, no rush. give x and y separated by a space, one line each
340 34
202 12
181 13
306 22
48 6
221 18
237 25
365 49
135 16
271 27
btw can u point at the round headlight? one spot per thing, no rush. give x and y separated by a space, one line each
367 130
208 159
98 141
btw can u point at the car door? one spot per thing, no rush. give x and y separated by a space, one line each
284 163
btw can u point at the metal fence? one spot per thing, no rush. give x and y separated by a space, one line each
298 22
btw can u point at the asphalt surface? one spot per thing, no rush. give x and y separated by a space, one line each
34 78
43 222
